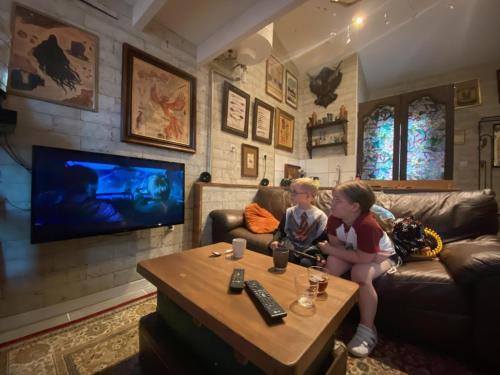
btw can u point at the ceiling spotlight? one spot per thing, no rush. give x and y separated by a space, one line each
358 21
451 6
333 33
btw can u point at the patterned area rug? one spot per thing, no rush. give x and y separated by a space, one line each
108 344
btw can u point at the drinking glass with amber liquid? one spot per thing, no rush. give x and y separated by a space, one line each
318 275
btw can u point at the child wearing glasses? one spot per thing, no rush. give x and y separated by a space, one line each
356 242
302 225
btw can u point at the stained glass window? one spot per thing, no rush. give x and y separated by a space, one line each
378 142
426 140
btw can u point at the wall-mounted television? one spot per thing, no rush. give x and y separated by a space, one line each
77 194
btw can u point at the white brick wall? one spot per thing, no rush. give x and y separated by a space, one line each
35 276
323 158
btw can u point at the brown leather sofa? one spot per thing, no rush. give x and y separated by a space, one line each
451 304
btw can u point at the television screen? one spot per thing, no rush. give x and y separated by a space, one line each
77 194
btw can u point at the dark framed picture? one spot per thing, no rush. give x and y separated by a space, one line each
262 122
292 171
158 102
249 161
285 124
291 89
274 78
235 110
498 84
53 61
496 146
467 94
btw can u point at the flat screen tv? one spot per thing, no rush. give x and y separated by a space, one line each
77 194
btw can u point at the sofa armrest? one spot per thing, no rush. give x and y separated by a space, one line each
470 261
224 221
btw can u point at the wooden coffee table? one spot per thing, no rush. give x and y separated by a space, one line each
199 283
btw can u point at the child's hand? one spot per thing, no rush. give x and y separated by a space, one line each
323 246
274 245
320 261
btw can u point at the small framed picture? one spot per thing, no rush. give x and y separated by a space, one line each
249 161
292 171
274 78
262 122
496 146
467 94
291 90
235 110
285 124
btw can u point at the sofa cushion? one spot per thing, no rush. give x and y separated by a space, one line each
259 220
424 285
275 200
471 260
453 215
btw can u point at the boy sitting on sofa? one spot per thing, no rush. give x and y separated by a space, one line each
303 225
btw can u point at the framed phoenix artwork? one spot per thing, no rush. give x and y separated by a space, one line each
235 110
249 161
291 90
158 103
262 122
274 78
285 124
53 61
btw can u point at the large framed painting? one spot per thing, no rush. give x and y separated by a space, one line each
158 102
291 90
235 110
285 124
262 121
249 161
53 61
274 78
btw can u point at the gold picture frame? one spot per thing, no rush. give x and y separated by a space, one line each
249 161
284 130
158 103
292 171
467 94
274 78
52 60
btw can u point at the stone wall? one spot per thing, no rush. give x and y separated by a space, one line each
327 162
35 276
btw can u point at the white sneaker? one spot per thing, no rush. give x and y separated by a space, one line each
363 341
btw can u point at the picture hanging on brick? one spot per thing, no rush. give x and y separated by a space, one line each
249 161
52 61
158 102
285 124
235 109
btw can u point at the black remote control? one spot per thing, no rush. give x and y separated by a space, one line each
237 282
268 307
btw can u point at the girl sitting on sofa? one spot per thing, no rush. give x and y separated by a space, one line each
356 242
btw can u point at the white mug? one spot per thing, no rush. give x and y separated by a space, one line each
239 245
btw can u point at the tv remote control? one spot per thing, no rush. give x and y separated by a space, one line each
266 304
237 282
